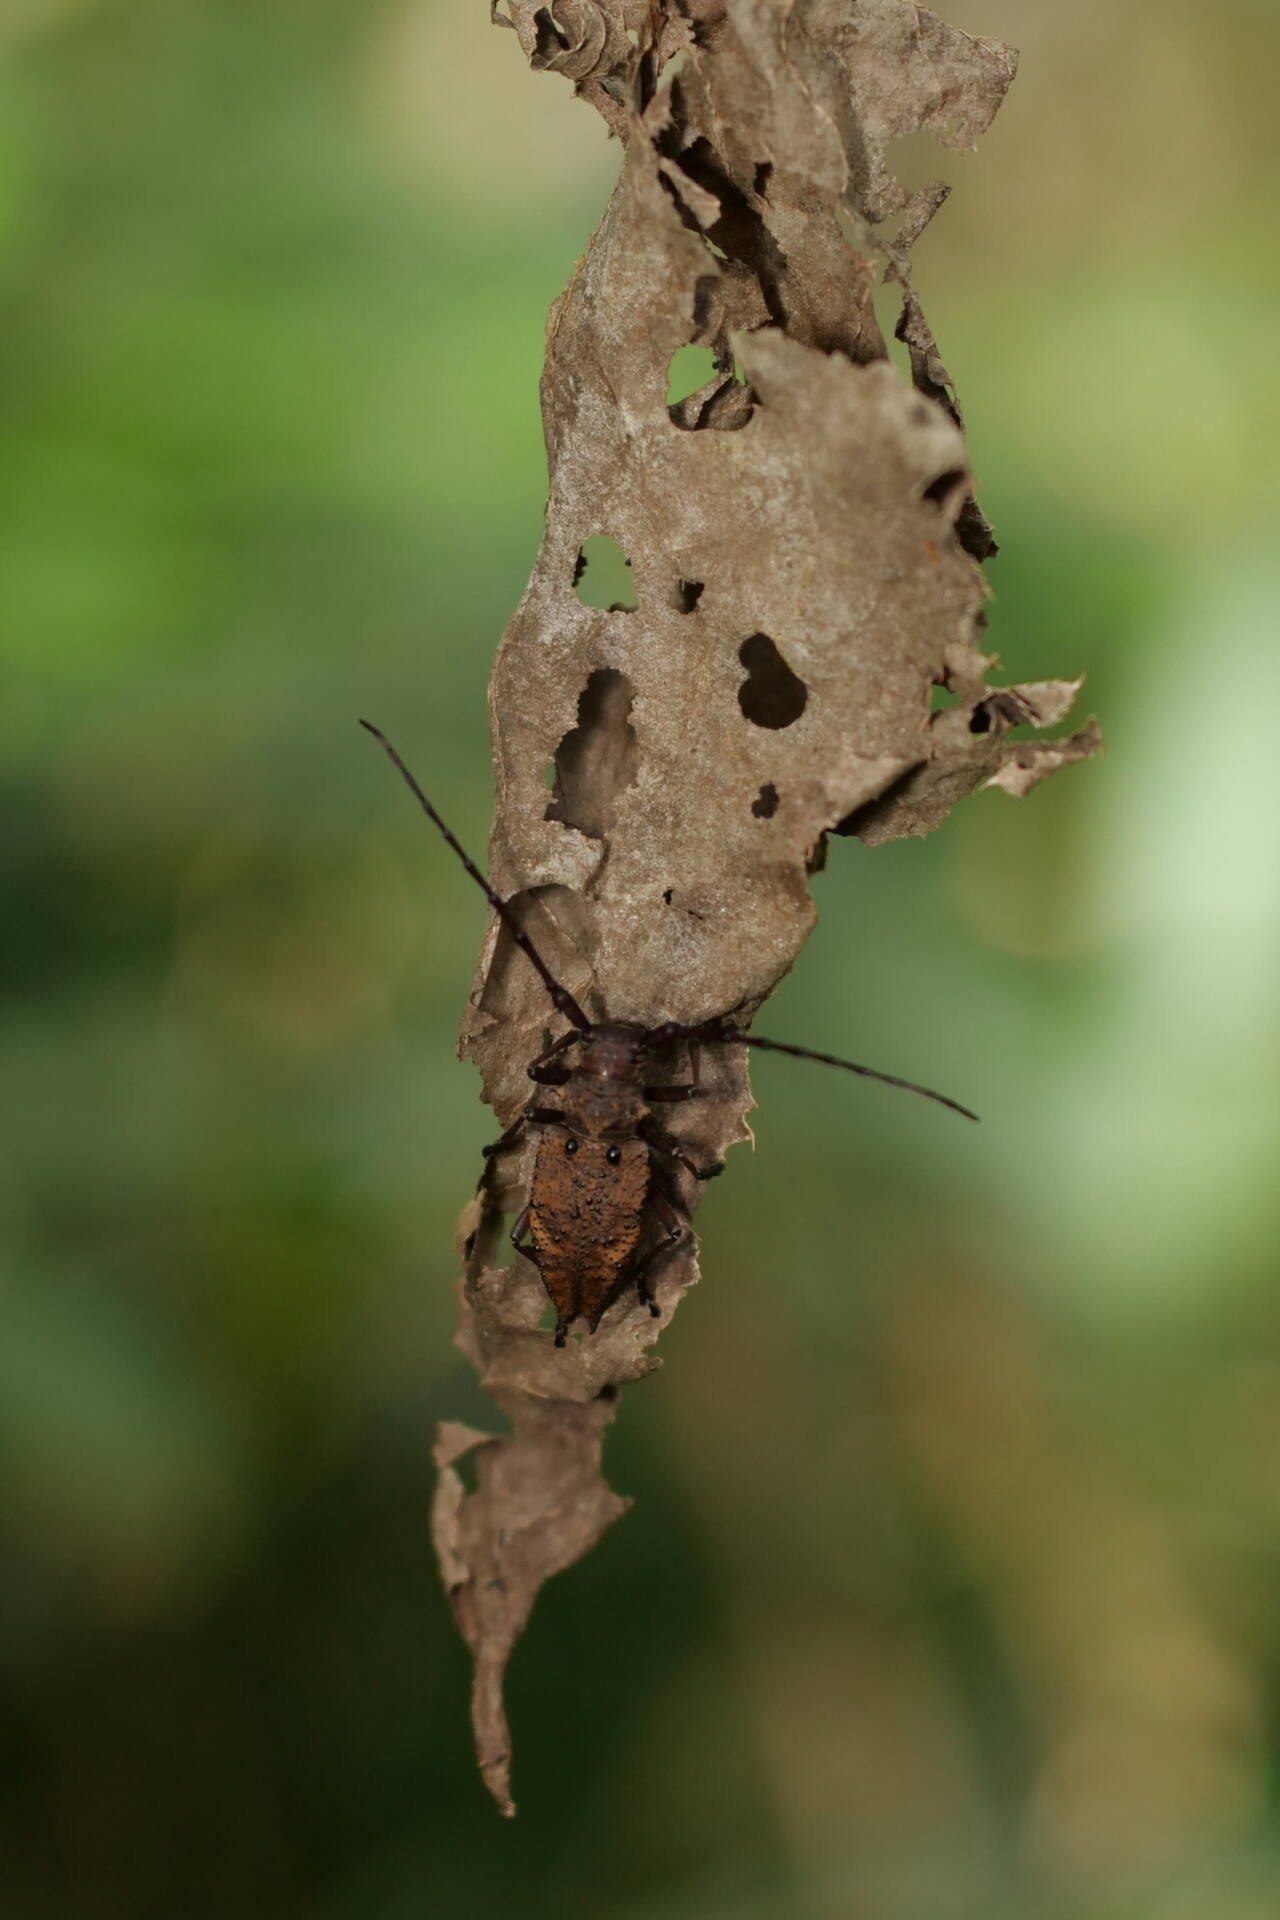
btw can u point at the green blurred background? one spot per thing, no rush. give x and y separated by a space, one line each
951 1589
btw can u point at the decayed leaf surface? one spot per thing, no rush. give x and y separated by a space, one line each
804 549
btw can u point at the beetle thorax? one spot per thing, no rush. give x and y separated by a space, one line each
606 1092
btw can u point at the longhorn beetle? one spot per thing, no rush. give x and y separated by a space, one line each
596 1172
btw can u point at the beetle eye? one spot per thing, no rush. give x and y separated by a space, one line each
571 1145
613 1156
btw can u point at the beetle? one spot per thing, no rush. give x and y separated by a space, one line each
601 1152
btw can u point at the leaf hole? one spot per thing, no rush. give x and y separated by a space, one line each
765 804
602 576
596 761
722 399
940 698
980 718
771 695
688 594
688 369
761 178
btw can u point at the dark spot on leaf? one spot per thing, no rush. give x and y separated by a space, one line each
688 594
760 183
705 296
765 804
548 39
771 695
668 894
939 491
980 718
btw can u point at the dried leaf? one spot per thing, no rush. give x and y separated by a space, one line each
801 536
1029 764
541 1503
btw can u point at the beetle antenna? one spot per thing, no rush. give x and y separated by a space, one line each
850 1066
563 999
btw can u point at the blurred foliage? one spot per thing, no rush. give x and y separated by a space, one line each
950 1586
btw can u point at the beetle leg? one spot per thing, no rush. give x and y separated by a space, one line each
541 1071
669 1217
541 1117
552 1047
668 1148
676 1227
682 1092
638 1278
642 1283
496 1146
550 1076
530 1253
540 1068
517 1239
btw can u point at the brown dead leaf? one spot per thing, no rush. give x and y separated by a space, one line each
1025 766
801 536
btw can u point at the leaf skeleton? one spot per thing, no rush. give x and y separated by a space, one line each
603 1160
